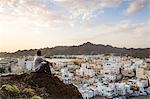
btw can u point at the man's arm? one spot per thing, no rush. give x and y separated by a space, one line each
50 64
38 67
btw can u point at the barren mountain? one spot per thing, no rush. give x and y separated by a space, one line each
84 49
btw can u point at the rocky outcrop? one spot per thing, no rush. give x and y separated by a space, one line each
45 86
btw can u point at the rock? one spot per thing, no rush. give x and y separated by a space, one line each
45 86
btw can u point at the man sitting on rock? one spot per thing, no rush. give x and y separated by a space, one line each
41 65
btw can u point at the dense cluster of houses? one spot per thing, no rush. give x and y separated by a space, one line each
16 65
108 76
97 75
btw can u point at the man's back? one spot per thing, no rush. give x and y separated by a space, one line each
38 62
40 65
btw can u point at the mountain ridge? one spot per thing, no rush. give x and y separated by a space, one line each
87 48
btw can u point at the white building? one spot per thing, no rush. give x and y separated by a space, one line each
85 71
66 76
108 90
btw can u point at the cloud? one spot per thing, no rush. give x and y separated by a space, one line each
122 34
69 12
31 9
65 22
136 6
85 8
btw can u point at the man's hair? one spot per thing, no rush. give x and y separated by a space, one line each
38 53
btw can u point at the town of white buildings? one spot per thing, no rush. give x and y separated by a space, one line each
94 75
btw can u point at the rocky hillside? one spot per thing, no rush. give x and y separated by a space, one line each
84 49
36 85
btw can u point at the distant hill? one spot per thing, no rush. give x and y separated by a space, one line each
84 49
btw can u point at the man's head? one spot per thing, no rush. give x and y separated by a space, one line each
39 53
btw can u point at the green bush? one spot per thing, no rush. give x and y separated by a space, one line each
15 88
2 70
36 97
10 89
28 91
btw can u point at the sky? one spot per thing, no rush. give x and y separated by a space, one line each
30 24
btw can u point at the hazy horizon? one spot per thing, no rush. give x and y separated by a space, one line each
34 24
